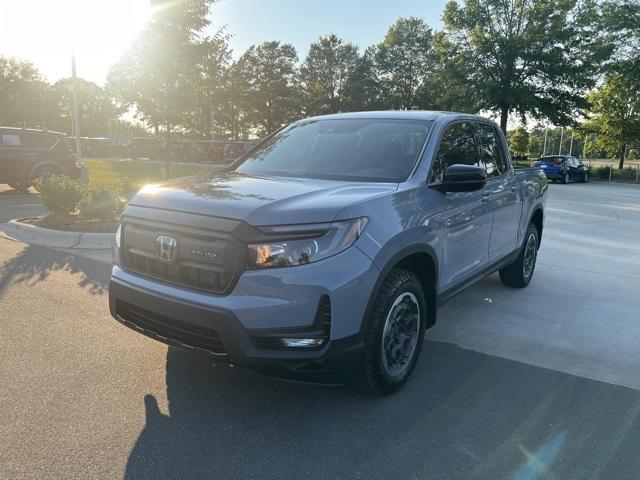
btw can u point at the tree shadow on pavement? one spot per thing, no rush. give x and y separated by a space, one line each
35 263
463 415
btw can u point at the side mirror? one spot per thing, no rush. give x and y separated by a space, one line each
462 178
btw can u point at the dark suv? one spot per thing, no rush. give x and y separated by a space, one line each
26 155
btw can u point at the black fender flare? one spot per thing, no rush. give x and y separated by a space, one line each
396 258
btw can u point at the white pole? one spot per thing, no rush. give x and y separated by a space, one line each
544 149
561 135
76 115
571 144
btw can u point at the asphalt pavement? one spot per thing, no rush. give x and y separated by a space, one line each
521 384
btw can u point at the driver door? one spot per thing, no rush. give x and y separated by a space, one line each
466 218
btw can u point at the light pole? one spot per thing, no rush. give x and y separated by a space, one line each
560 146
76 117
571 144
544 149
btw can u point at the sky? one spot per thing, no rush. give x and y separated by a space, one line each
99 31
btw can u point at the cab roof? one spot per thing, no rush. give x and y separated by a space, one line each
400 115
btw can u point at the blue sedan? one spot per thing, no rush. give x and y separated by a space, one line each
563 168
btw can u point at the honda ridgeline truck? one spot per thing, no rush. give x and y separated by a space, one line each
323 253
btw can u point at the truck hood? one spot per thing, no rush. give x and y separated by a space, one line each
259 200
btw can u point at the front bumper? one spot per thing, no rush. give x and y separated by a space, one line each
278 302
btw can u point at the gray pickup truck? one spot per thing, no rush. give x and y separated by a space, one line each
323 253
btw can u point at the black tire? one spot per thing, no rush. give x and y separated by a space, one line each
20 187
519 273
586 177
44 171
374 377
565 178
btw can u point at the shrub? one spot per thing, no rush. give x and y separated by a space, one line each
60 194
101 204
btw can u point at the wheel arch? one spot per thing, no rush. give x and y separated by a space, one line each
39 165
422 261
537 218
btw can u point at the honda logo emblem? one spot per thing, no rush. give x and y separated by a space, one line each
166 248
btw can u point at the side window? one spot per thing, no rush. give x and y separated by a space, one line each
11 139
37 140
490 150
457 147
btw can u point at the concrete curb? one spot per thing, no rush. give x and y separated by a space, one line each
32 234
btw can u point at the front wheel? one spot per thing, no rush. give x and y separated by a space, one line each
586 177
519 273
393 334
565 178
20 187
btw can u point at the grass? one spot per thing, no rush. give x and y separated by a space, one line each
122 175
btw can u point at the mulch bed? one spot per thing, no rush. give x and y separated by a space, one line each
72 223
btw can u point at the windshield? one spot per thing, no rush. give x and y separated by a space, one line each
378 150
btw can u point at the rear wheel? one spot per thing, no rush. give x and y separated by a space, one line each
393 334
20 186
45 171
519 273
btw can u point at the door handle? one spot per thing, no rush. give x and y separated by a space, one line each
486 197
514 188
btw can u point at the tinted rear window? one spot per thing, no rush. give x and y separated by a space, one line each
37 140
378 150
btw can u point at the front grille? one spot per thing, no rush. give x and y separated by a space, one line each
171 330
203 261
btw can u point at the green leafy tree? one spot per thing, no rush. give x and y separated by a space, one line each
213 64
324 74
158 75
272 97
362 89
24 94
534 58
233 102
446 86
97 109
621 20
519 141
615 115
404 59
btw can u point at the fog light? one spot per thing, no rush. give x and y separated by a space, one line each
302 342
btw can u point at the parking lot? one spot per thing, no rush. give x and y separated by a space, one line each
542 382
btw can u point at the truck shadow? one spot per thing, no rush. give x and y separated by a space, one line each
463 415
34 264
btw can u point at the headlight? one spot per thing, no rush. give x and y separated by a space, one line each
335 238
115 246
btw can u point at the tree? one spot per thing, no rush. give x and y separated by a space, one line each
272 98
23 94
213 64
362 89
158 75
324 74
519 141
97 110
233 102
615 114
404 59
530 57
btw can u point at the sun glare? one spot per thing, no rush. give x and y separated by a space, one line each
45 31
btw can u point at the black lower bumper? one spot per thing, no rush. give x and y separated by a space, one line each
219 334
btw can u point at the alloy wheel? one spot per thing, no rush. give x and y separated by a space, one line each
400 334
